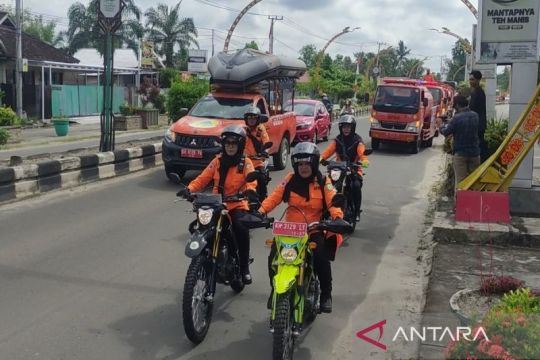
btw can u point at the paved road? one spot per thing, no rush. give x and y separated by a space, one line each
96 273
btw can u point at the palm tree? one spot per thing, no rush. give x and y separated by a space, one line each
167 29
402 51
84 31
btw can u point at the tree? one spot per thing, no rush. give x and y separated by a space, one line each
308 54
84 31
503 80
36 26
167 29
402 51
457 64
252 45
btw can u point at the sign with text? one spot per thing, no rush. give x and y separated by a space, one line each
285 228
508 31
109 8
197 61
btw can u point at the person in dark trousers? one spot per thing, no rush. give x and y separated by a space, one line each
478 105
464 129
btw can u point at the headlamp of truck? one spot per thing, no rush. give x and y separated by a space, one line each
170 135
413 126
374 122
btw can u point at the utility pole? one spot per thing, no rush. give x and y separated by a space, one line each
18 66
376 71
212 42
271 36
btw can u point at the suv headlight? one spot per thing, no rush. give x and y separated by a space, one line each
170 135
335 174
205 216
289 254
413 126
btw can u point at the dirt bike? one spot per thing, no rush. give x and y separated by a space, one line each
342 174
214 257
295 300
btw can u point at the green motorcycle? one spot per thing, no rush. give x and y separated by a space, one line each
295 300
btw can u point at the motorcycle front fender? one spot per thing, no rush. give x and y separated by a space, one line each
285 278
197 242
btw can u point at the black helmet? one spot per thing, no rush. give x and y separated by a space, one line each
306 151
347 119
253 111
237 132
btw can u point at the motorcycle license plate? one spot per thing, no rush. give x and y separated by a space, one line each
191 153
284 228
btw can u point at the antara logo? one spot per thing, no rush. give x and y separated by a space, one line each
435 333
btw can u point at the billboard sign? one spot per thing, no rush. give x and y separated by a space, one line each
197 61
508 31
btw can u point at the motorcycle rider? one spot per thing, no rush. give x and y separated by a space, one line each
228 171
257 136
349 146
309 194
347 108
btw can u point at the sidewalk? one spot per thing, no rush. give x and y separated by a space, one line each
466 251
84 132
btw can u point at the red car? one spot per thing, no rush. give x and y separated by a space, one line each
312 121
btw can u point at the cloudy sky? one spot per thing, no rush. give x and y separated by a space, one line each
314 22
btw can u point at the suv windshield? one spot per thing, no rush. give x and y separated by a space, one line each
437 95
397 99
221 108
302 109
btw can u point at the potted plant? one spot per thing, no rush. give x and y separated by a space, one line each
471 304
512 328
61 125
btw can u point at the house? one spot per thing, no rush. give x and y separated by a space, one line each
37 53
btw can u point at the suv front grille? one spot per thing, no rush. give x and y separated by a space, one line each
197 142
393 125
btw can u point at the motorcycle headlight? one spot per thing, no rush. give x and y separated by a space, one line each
205 216
335 174
289 254
170 135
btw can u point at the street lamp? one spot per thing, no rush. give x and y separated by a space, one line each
321 53
464 42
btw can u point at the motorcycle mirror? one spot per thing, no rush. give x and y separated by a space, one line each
338 200
268 145
264 118
252 176
368 151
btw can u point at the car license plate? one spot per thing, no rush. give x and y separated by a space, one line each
191 153
285 228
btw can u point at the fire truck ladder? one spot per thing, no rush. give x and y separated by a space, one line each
497 172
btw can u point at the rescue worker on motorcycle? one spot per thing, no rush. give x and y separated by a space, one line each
309 195
349 146
257 136
228 171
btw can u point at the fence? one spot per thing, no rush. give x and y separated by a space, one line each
81 100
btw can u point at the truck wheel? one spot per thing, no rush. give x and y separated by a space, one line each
281 157
429 143
415 146
180 171
375 144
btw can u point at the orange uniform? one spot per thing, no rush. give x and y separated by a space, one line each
331 150
312 209
259 133
234 183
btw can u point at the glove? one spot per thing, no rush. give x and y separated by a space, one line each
324 162
252 195
185 193
365 164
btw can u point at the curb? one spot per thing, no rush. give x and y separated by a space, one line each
20 182
525 234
